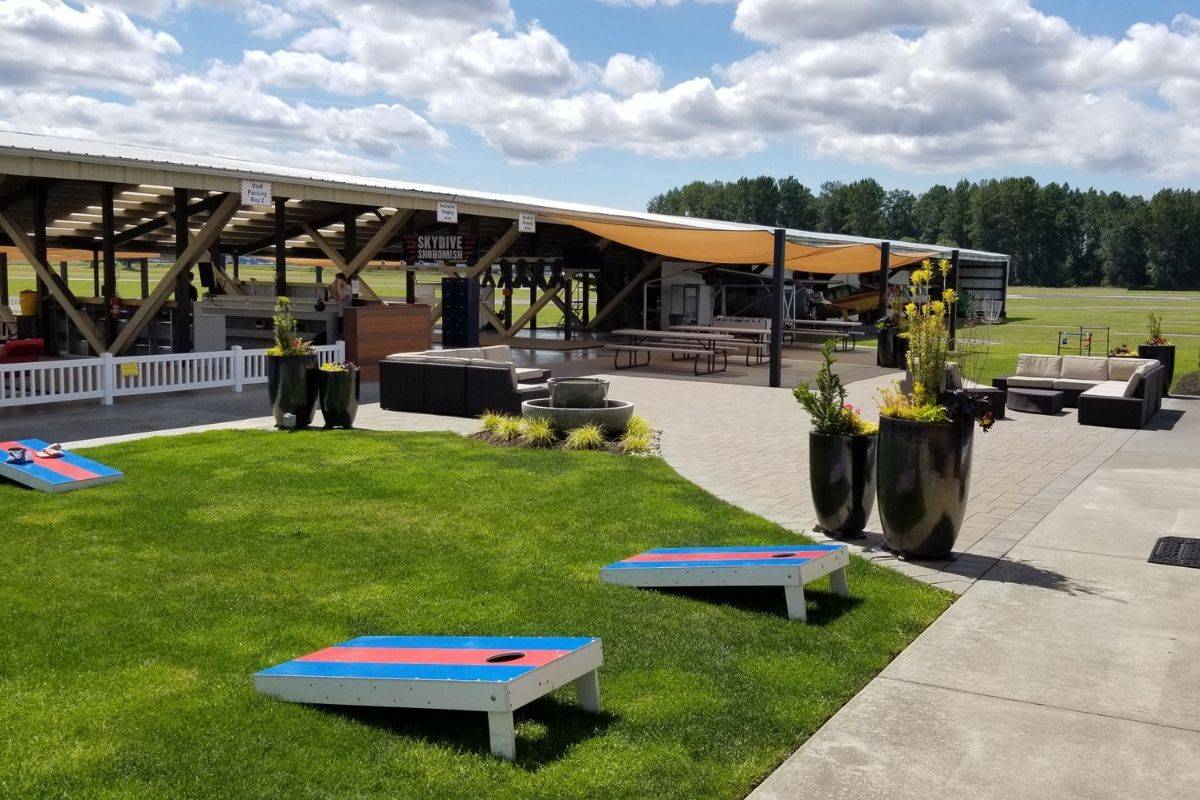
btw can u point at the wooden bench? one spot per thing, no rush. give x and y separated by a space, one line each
694 354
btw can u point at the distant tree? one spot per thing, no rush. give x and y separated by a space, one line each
900 216
1173 239
797 205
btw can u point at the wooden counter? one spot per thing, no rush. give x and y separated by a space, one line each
375 332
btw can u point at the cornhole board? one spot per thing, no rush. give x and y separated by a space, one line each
64 474
496 674
702 567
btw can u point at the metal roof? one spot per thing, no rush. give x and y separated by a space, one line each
149 173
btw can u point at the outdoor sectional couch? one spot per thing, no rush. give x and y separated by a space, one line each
1112 392
459 383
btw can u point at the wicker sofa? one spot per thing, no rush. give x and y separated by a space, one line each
460 383
1112 392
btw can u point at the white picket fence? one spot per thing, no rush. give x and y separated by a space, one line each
108 377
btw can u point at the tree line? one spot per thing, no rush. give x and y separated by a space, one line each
1057 235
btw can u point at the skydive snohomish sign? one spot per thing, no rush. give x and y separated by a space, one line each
440 247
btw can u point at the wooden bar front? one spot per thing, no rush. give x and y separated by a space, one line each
374 332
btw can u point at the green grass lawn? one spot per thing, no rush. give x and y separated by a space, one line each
136 613
1035 316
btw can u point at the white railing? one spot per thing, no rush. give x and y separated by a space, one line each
108 377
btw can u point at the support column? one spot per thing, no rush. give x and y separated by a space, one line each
237 267
96 273
587 298
39 251
64 272
952 282
410 287
777 303
181 321
885 264
108 287
567 294
144 267
280 247
533 287
4 296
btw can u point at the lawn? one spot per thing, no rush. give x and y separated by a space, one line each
1035 316
136 613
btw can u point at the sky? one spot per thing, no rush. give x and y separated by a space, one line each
613 101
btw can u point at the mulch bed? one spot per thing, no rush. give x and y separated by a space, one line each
1188 384
609 447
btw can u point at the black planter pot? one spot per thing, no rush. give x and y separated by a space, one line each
1165 355
891 349
841 474
339 397
924 474
292 387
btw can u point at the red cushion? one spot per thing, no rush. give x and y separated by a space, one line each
21 351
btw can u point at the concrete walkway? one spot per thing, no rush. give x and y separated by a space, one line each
1071 670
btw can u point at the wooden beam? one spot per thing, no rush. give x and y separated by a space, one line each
208 234
533 310
281 238
25 192
648 270
382 238
328 249
490 317
163 220
495 251
4 298
292 231
108 287
53 285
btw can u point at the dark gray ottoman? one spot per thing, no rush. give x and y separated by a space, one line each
997 397
1035 401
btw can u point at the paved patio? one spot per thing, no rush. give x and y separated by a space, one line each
1069 668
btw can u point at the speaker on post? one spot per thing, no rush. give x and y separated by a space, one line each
460 313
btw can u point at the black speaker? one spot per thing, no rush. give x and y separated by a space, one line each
460 312
208 278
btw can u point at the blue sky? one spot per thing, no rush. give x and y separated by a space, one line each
612 101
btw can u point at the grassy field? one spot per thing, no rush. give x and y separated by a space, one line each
1035 317
390 284
136 613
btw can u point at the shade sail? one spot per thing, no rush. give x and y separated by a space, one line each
715 246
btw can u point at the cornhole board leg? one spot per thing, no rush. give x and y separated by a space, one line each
838 583
795 603
588 688
502 734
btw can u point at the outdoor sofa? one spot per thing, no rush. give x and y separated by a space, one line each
459 383
1111 392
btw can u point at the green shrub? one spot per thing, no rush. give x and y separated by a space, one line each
509 429
490 422
538 432
635 443
638 426
585 437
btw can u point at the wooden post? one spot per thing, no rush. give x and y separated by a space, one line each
567 289
181 335
506 281
96 273
777 303
237 267
533 287
280 247
885 265
108 287
145 270
64 272
952 282
350 235
4 296
587 298
39 252
410 287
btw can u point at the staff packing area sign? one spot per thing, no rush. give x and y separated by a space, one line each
256 193
439 246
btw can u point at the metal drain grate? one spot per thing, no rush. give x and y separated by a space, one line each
1176 551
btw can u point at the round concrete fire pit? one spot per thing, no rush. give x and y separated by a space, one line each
613 417
578 392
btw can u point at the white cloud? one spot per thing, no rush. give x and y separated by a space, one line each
916 84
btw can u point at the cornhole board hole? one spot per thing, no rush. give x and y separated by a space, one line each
65 474
495 674
703 567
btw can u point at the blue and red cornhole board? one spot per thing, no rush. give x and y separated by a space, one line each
789 566
496 674
54 474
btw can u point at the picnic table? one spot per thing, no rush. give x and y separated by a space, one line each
694 346
846 333
754 341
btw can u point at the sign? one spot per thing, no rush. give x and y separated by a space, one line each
447 211
129 369
526 223
440 246
256 192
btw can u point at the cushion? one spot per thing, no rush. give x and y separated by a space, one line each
1122 369
1135 380
462 352
1033 366
1073 385
500 352
1106 389
1085 368
1031 383
525 374
407 357
448 361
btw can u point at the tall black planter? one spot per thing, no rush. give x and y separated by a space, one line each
292 387
339 397
924 475
841 474
1165 355
891 349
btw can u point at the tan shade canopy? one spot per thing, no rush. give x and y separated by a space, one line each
739 247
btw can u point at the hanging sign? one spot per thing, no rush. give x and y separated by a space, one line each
439 246
447 211
256 192
526 223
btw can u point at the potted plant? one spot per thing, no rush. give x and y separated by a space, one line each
291 384
841 454
1158 348
892 345
926 434
338 387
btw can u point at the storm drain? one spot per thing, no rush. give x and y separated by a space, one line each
1177 552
